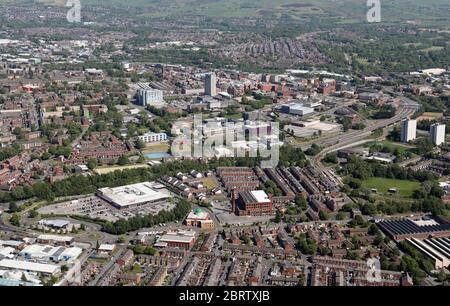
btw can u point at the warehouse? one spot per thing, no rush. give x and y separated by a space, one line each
296 109
132 196
181 239
437 249
46 252
55 239
27 266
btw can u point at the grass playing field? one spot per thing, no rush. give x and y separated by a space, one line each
405 188
156 148
106 170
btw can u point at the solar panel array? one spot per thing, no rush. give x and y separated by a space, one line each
405 227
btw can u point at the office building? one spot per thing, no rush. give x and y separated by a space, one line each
149 96
437 133
211 85
408 130
153 137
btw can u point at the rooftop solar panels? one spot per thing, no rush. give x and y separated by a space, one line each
408 227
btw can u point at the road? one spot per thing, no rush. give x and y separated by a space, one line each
121 249
406 109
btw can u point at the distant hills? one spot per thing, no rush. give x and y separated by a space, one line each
392 10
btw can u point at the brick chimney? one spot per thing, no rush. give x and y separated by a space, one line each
233 201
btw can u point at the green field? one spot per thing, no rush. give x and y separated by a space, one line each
209 183
105 170
405 188
156 148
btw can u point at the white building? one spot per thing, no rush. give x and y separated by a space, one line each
296 109
408 132
133 195
50 253
211 84
28 266
437 132
149 96
153 137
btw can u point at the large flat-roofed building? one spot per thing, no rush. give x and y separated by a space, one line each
55 239
149 96
252 203
437 249
27 266
153 137
405 229
295 108
46 252
181 239
134 195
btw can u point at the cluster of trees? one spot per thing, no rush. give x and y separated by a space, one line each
258 103
399 152
293 156
323 215
331 158
299 206
60 150
425 125
431 104
385 112
358 221
346 123
162 123
423 146
414 262
141 249
270 187
123 226
15 219
429 204
313 150
362 170
306 245
9 152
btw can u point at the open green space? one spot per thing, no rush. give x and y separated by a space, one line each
107 169
404 188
